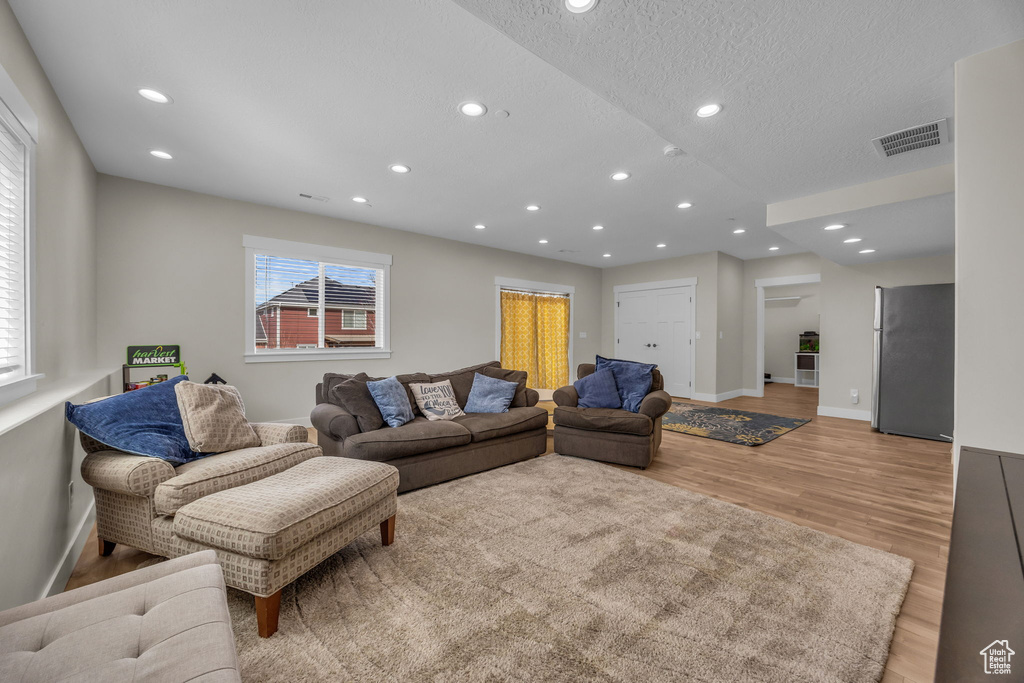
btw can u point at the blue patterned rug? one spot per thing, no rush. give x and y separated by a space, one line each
723 424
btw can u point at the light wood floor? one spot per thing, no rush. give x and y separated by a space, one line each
834 475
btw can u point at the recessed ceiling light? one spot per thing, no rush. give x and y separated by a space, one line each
359 200
773 248
835 226
154 96
580 6
472 109
598 227
160 154
851 240
662 246
543 241
399 168
480 226
607 255
533 207
684 205
738 231
620 175
867 251
709 110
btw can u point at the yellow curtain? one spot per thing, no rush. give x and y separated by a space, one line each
535 337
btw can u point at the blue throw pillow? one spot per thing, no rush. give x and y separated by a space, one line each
598 390
142 422
490 394
392 400
633 380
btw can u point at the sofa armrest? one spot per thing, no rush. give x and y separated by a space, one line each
532 397
567 396
273 433
135 475
106 587
655 404
335 422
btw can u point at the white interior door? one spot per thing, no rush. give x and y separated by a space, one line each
656 326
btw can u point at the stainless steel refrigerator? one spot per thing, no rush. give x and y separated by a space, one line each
913 387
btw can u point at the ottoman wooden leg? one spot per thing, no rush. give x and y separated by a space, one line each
105 547
267 611
387 530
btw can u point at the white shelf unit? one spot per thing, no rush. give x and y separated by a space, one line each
805 369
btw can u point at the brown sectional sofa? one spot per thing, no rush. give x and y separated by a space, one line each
429 452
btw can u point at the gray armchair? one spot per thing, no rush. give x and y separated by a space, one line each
610 434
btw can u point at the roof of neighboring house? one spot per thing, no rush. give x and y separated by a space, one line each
261 331
336 295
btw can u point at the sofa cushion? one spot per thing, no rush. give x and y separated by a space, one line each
354 396
462 379
213 417
598 390
228 470
175 627
436 400
486 426
490 394
272 517
632 379
517 376
393 401
604 420
419 436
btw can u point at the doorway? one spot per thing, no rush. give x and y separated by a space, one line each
774 284
654 323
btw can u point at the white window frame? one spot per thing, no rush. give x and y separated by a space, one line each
19 118
501 283
315 314
254 245
354 310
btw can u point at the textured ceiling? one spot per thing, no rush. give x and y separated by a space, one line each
272 99
805 85
919 227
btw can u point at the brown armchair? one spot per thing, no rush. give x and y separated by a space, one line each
610 434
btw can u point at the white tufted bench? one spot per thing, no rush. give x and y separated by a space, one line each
168 622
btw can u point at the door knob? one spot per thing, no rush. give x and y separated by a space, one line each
654 345
647 345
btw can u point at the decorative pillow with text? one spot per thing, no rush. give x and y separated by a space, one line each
437 401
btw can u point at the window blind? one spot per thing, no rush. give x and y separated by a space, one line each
13 311
309 304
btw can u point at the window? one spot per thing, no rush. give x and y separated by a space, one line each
308 302
534 330
17 148
353 320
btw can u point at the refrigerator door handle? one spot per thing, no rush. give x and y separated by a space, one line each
877 357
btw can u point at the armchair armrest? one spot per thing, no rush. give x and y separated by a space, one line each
532 396
335 422
655 404
272 433
567 396
135 475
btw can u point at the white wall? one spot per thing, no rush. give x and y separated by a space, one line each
989 244
704 267
784 321
729 352
38 454
847 323
171 270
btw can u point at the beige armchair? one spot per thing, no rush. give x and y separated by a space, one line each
610 434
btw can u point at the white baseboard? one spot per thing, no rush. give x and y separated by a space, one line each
62 572
781 380
715 398
755 393
846 413
304 421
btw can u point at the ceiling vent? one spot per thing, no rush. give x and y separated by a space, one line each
314 197
918 137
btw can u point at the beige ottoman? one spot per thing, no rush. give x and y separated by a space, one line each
270 532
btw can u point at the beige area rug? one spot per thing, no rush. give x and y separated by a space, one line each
565 569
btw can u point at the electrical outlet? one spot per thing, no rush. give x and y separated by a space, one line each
854 396
583 335
71 493
697 335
